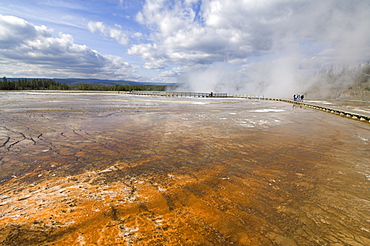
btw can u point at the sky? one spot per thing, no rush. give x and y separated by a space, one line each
245 46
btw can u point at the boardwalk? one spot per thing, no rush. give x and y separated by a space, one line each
340 112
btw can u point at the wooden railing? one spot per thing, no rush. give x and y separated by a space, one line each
339 112
194 94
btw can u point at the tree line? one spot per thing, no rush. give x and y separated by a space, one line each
49 84
32 84
356 76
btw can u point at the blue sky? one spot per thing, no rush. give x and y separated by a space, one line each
185 41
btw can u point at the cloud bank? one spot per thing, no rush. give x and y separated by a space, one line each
252 46
270 47
27 49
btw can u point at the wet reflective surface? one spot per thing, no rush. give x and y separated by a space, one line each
358 107
115 169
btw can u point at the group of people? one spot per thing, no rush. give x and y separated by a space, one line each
298 98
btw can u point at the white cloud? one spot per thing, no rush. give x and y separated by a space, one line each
24 46
282 34
218 31
261 45
110 32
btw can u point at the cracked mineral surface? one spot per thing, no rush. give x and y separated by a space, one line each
118 169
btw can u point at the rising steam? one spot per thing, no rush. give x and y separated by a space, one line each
291 43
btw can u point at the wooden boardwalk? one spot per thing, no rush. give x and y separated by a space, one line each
339 112
351 115
195 94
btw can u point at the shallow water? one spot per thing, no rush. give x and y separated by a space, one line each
109 169
359 107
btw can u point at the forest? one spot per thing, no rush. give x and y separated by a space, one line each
344 83
49 84
32 84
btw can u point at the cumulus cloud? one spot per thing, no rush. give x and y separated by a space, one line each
247 46
26 47
179 37
279 39
110 32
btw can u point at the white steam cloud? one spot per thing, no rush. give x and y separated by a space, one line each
248 46
270 47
